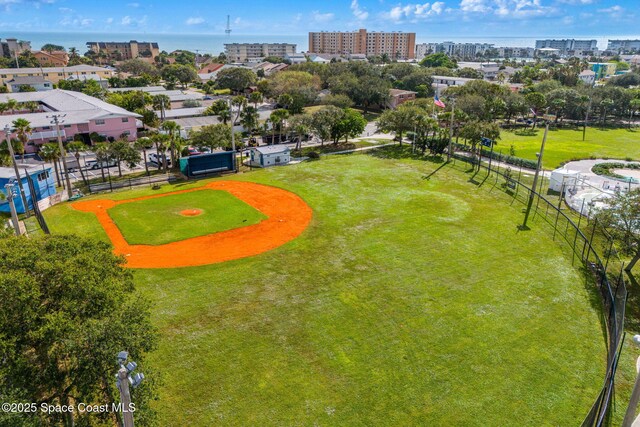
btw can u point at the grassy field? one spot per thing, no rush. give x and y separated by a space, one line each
412 299
158 221
564 145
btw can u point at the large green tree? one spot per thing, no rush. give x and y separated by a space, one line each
68 307
237 79
621 217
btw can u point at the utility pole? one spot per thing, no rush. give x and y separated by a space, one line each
63 154
453 112
12 206
124 378
535 177
23 196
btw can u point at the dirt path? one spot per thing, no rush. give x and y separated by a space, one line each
288 216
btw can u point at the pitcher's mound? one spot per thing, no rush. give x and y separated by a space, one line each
191 212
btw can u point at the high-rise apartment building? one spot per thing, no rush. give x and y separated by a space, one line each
568 46
122 51
624 45
245 52
396 44
12 47
459 50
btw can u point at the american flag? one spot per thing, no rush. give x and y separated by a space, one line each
437 102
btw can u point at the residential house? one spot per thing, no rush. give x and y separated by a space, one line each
55 74
56 58
399 96
79 114
38 83
588 77
43 184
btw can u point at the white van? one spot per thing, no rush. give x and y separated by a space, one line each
157 159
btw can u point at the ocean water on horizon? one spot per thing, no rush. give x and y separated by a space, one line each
214 43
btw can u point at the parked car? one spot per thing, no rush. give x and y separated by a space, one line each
94 164
157 159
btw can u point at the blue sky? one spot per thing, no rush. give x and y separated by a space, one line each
516 18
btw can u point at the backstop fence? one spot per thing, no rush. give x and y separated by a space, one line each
593 247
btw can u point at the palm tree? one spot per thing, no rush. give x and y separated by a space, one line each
76 147
277 120
249 118
173 130
50 152
32 106
23 131
161 141
12 104
142 144
255 98
103 155
3 107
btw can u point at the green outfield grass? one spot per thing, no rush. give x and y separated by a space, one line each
564 145
411 300
158 221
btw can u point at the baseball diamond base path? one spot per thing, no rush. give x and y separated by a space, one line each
287 217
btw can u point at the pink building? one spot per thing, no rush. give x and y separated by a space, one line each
78 114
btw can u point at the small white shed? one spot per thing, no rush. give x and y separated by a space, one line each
270 155
564 176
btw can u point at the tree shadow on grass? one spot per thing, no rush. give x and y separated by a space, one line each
632 313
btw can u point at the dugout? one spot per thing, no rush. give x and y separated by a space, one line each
206 164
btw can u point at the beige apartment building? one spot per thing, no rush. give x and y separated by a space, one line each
55 74
396 44
246 52
122 51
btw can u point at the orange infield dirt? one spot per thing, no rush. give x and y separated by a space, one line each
191 212
287 217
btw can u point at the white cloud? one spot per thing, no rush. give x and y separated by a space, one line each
360 14
65 10
414 12
615 11
474 6
195 21
577 1
109 21
134 5
321 17
129 21
507 8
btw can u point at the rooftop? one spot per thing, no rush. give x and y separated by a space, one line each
78 107
28 80
68 70
272 149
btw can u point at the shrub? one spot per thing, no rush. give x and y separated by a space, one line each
313 155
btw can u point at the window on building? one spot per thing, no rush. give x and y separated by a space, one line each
125 119
67 126
99 122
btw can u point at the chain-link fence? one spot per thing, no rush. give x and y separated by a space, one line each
592 246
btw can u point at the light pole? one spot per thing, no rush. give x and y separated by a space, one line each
586 119
635 394
124 379
56 121
12 206
535 177
23 196
453 112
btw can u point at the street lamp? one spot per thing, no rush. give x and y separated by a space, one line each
23 196
125 378
14 215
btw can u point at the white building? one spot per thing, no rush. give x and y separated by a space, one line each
245 52
296 58
270 155
459 50
36 82
624 45
569 46
588 77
